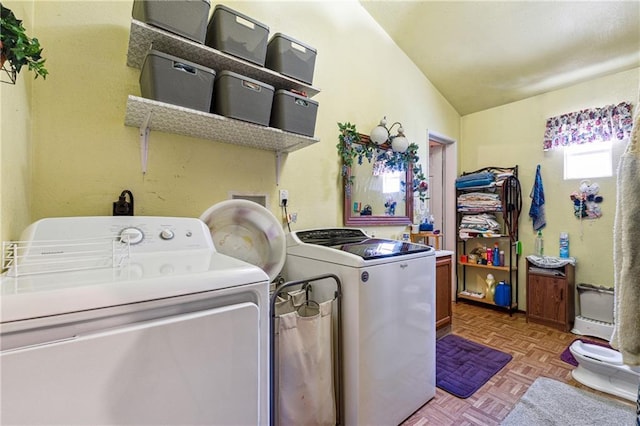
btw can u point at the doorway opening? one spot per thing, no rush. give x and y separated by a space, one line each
442 176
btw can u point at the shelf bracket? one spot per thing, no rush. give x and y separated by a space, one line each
278 159
144 141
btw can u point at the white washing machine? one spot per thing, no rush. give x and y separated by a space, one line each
388 313
175 334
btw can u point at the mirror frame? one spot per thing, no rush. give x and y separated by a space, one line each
398 220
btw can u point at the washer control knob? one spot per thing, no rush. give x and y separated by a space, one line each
166 234
133 235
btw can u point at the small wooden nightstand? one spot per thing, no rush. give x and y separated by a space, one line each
550 295
423 237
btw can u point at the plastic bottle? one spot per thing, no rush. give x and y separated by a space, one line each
539 244
564 245
496 255
491 288
503 294
489 256
502 258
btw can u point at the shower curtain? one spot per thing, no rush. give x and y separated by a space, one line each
305 368
626 251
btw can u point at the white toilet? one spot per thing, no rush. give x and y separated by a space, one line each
601 368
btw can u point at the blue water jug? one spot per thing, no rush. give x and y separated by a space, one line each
503 294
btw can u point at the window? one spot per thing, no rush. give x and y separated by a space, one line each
391 182
588 161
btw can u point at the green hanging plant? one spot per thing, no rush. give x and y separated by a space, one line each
17 48
351 147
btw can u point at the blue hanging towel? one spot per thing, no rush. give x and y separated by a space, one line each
536 212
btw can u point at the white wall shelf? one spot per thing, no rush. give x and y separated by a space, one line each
143 36
147 114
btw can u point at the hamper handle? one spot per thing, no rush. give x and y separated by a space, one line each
245 22
184 67
298 47
250 85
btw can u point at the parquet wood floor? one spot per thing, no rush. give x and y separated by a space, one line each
536 352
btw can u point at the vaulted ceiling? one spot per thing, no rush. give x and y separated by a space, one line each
482 54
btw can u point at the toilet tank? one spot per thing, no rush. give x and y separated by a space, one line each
596 302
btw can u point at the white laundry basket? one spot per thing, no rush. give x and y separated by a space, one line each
306 356
596 302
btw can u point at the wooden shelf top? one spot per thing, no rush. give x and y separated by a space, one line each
485 301
478 265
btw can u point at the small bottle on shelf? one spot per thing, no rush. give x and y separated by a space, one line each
564 245
496 255
539 244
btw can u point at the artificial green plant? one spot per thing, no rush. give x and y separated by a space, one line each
351 147
17 48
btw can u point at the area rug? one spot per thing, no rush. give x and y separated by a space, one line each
463 366
549 402
568 357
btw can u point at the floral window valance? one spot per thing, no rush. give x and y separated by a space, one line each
612 122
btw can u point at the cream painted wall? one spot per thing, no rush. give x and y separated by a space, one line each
66 151
84 156
16 117
512 134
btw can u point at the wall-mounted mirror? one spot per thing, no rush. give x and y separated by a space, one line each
376 195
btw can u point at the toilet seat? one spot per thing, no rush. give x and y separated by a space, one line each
599 353
602 369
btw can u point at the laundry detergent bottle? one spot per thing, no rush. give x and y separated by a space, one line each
503 294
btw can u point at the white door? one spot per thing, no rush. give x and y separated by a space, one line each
195 368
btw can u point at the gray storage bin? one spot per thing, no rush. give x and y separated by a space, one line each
187 18
291 57
294 113
242 98
237 34
172 80
596 302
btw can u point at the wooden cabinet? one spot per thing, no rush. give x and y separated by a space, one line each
550 295
443 295
423 237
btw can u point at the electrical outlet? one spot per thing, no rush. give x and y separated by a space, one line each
284 197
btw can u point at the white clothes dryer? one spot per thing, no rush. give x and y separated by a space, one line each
388 290
175 334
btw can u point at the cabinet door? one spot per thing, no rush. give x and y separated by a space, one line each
555 306
536 296
546 298
443 291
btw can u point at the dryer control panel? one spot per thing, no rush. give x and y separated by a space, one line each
145 234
